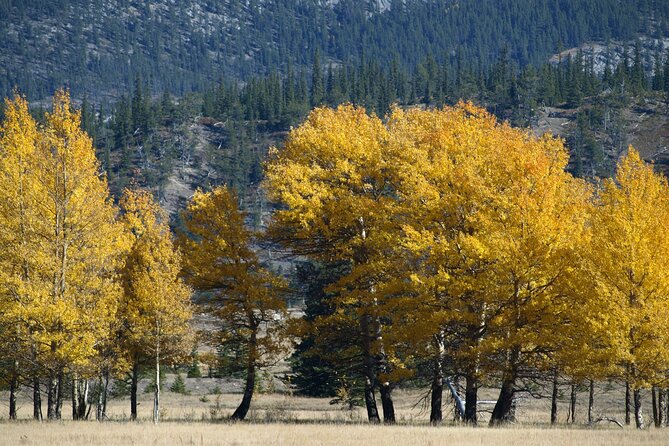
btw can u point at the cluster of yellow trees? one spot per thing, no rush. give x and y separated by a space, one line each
470 244
466 242
91 291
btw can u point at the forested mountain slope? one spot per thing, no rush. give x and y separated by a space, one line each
98 47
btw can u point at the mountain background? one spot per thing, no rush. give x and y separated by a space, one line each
185 94
98 47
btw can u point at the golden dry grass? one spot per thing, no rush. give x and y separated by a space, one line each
115 433
281 419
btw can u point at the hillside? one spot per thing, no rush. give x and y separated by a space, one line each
98 47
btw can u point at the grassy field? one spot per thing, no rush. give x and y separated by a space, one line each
172 433
283 419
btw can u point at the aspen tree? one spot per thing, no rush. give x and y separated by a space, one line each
630 252
155 309
78 243
18 143
491 222
335 181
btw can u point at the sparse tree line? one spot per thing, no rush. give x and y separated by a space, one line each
91 291
445 245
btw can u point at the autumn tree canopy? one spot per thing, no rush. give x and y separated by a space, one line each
246 299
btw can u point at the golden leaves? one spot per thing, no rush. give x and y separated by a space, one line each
63 242
156 303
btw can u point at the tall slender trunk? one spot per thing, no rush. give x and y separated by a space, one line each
471 398
59 396
436 397
656 413
591 402
101 412
437 390
554 397
52 396
385 390
638 410
245 405
370 375
134 378
666 403
75 398
37 399
504 411
156 390
572 405
369 361
98 404
662 407
13 387
628 404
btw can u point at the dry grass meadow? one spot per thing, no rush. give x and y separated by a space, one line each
282 419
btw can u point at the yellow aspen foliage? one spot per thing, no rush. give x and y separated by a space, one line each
80 239
491 229
335 179
155 309
245 298
630 254
458 228
65 243
18 141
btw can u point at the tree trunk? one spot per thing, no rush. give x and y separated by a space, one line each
628 404
79 398
156 390
656 414
134 378
638 410
37 400
591 402
243 408
98 405
437 391
471 398
554 397
662 407
75 397
101 412
459 412
370 402
504 411
370 376
52 396
571 418
666 403
436 396
385 390
59 396
13 387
